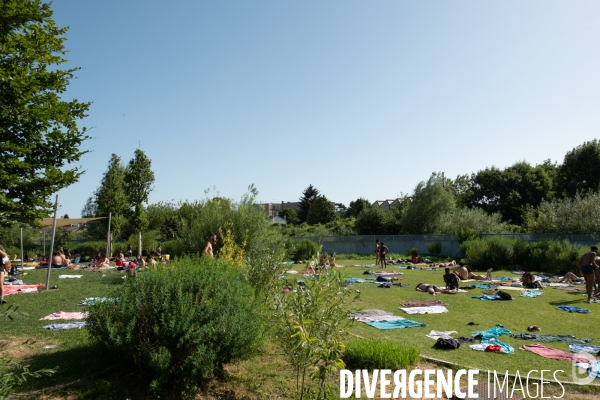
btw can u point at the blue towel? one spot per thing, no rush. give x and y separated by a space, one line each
503 278
71 325
491 333
574 309
529 293
584 348
480 286
399 324
506 348
488 297
355 280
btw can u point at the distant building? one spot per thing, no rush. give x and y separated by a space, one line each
388 203
273 210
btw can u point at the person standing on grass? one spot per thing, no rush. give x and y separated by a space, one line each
383 250
129 252
4 266
586 268
208 248
376 252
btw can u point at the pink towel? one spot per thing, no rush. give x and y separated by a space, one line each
16 289
548 352
65 315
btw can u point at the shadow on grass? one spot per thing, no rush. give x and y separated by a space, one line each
567 302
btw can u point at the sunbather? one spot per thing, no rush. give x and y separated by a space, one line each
101 261
529 282
572 278
432 289
465 273
4 267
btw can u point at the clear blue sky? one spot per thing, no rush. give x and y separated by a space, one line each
359 98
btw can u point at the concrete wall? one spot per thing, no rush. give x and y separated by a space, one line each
403 243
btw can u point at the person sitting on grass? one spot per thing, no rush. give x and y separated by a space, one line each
465 273
140 262
432 289
452 281
332 261
416 259
572 278
529 281
150 261
101 261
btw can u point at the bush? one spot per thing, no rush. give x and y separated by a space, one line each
305 250
183 324
89 248
434 248
379 354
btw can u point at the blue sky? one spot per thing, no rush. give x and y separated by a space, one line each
358 98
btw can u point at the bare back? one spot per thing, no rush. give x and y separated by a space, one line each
588 259
208 249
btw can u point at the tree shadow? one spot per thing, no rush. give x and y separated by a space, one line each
567 302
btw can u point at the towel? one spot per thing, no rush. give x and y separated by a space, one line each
65 315
398 324
69 276
574 309
71 325
529 293
425 310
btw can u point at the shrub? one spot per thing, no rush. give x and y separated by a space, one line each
305 249
183 324
88 248
434 248
379 354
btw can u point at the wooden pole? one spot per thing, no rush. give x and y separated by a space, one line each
51 245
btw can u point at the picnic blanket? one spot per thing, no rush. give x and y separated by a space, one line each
425 310
422 303
16 289
397 324
488 297
70 325
373 315
529 293
65 316
572 309
548 352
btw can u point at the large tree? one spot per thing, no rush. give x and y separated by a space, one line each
322 211
111 196
38 130
580 170
430 200
309 195
356 207
139 179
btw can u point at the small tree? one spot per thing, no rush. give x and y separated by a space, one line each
290 215
357 206
322 211
309 195
139 179
111 196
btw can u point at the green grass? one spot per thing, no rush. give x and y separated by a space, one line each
75 357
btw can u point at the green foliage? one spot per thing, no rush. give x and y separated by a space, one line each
305 250
322 211
310 327
163 218
511 190
291 216
149 241
472 219
183 324
38 130
429 202
548 256
580 170
581 214
265 262
373 354
139 179
434 248
356 206
309 195
376 221
111 197
12 374
89 248
464 234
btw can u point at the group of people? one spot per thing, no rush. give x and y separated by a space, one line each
380 252
589 267
452 279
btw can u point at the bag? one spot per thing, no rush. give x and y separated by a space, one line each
504 295
446 344
453 282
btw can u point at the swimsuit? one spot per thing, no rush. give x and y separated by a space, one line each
587 269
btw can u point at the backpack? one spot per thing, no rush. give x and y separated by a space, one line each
453 282
504 295
446 344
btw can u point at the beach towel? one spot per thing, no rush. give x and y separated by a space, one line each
373 315
491 333
558 284
529 293
548 352
588 348
355 280
70 325
485 345
503 278
425 310
488 297
440 334
65 316
397 324
572 309
422 303
550 338
513 287
16 289
90 301
69 276
480 286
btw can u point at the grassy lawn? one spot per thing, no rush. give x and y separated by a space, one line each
268 376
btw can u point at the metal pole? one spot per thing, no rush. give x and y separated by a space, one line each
44 242
22 259
51 245
108 249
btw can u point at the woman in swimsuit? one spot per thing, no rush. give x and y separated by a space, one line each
432 289
383 250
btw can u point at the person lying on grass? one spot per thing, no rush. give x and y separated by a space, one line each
572 278
529 282
432 289
465 273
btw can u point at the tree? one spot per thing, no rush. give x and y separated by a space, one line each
580 170
38 130
309 195
111 196
429 201
139 179
322 211
357 206
163 218
290 216
376 221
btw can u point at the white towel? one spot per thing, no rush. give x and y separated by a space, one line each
425 310
440 334
69 276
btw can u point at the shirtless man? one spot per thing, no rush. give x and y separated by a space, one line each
464 274
208 249
587 264
57 260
